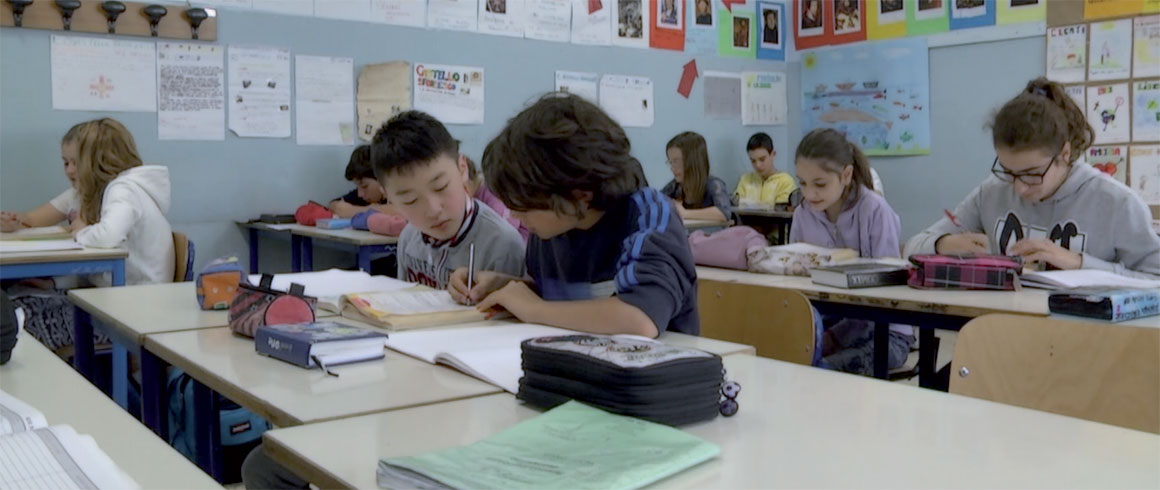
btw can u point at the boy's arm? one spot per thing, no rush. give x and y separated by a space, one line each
608 316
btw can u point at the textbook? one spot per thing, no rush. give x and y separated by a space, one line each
326 343
570 446
487 350
1083 278
796 259
1112 304
36 455
329 285
415 307
859 275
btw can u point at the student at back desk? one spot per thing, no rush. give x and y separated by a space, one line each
62 207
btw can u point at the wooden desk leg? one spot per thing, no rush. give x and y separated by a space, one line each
307 254
295 253
83 342
207 440
154 394
253 250
927 357
881 350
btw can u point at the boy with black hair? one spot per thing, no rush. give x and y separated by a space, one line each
367 194
609 255
419 165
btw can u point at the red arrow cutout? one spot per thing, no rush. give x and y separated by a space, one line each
730 3
687 78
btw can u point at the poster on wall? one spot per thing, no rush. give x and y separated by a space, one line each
1146 48
849 21
1110 160
927 17
1109 113
667 30
453 15
324 100
809 24
1144 163
770 44
878 94
501 17
628 100
1110 50
259 91
452 94
1018 11
1067 53
966 14
701 32
736 33
1100 9
722 94
548 20
1146 110
592 22
98 74
885 19
584 85
631 23
191 92
762 98
384 90
411 13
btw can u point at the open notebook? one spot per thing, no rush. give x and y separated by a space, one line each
329 285
33 455
415 307
1083 278
489 350
40 233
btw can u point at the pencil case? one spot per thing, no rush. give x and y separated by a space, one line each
258 305
933 271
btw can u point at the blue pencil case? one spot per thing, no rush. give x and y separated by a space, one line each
333 223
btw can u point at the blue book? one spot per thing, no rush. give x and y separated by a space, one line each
326 343
333 223
1112 304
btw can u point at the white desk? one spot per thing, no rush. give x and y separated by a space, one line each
42 380
302 243
798 427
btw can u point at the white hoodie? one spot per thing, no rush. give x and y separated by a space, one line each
133 216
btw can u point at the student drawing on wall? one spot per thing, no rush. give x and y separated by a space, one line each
769 34
629 18
668 13
846 16
497 6
811 14
704 13
740 32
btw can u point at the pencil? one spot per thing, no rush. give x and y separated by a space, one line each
470 269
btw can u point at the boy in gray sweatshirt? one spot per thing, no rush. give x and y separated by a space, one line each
1043 205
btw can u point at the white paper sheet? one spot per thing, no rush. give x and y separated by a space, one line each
1144 172
453 94
631 23
384 90
1146 110
411 13
1110 50
722 93
59 458
358 10
325 100
99 74
582 84
592 22
502 17
628 99
454 15
1146 49
288 7
191 94
259 100
763 98
14 246
1067 53
1109 113
548 20
17 416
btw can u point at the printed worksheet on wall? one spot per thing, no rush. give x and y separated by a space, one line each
762 98
628 99
259 96
548 20
191 94
324 98
99 74
584 85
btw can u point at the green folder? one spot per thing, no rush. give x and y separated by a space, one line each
572 446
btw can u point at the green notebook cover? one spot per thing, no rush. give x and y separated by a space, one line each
572 446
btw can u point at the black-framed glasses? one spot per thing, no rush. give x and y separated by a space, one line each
1029 178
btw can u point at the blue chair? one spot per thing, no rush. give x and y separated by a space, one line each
183 253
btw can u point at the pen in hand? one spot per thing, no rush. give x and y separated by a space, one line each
470 271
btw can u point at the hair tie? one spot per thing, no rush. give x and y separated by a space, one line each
1040 91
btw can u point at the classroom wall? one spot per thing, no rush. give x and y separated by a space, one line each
216 183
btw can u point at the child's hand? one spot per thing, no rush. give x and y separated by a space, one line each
963 243
1043 250
485 283
517 298
77 225
10 222
680 207
343 209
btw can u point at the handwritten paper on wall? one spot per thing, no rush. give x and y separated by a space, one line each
1146 110
1146 52
1144 161
455 15
722 95
411 13
582 84
259 91
628 99
592 22
384 90
548 20
324 100
502 17
191 93
452 94
95 74
762 98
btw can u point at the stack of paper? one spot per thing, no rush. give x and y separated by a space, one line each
33 455
1084 278
570 446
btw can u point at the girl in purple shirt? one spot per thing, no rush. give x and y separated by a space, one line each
839 210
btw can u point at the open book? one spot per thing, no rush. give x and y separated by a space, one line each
33 455
14 246
410 308
1083 278
40 233
489 351
329 285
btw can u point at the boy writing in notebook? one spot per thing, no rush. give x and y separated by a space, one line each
608 254
367 194
418 164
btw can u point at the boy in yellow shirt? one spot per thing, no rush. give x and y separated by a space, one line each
765 186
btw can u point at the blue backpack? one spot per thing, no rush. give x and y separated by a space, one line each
241 429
